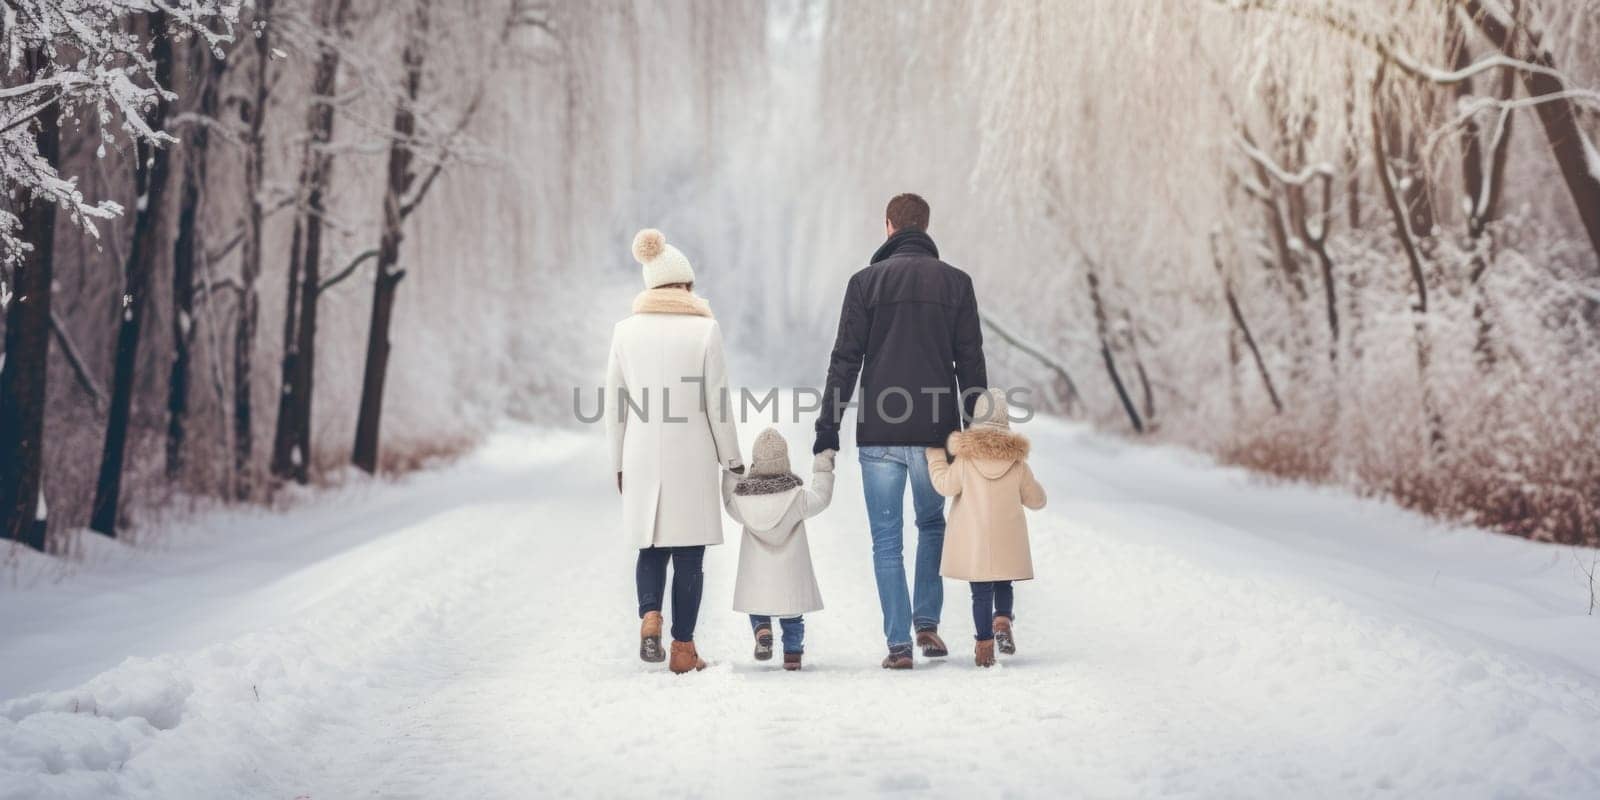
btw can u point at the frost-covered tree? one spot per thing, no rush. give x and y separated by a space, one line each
75 62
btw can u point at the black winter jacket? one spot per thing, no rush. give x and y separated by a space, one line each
909 328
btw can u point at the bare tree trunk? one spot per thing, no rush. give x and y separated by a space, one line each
80 370
1471 147
244 335
1558 115
1244 329
1235 396
1486 208
1132 343
281 464
365 453
150 180
24 367
1317 241
1484 189
1102 326
205 71
1352 159
1277 227
291 452
1419 308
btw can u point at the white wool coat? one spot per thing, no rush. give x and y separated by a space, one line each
676 431
775 574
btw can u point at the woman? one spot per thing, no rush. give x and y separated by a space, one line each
671 428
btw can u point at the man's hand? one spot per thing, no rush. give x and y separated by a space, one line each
619 483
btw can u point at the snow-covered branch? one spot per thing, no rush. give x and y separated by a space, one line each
1304 176
1385 44
85 56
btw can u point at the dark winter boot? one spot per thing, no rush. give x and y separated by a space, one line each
791 662
763 644
983 654
898 658
684 658
650 638
932 646
1003 640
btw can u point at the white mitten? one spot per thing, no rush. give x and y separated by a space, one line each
823 462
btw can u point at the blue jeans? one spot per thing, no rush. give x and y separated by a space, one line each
794 631
884 471
990 599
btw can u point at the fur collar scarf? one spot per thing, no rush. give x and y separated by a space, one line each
989 444
670 301
767 484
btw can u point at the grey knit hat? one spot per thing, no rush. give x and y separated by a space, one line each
990 410
770 456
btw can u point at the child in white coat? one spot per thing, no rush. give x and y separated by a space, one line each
775 574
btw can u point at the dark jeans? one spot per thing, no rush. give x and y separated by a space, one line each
794 631
688 581
990 599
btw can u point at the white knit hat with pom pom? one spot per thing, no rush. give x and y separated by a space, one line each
663 263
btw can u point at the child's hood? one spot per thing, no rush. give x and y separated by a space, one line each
763 502
991 451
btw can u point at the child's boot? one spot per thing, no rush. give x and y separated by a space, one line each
763 643
791 662
983 654
650 638
1003 639
684 658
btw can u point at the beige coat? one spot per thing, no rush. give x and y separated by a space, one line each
775 574
986 538
679 429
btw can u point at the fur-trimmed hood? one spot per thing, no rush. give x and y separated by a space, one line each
670 301
763 502
992 451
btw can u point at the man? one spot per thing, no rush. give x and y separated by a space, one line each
909 329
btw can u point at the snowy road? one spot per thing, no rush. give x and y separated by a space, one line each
463 634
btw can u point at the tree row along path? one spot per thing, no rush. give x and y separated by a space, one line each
470 632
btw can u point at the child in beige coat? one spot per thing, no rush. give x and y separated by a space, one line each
986 540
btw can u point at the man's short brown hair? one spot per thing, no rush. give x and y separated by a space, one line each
907 212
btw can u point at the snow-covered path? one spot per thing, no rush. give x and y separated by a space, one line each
470 633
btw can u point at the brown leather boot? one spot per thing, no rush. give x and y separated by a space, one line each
684 658
650 638
1004 640
932 646
791 662
897 660
983 654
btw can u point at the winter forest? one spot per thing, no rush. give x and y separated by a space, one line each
250 244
